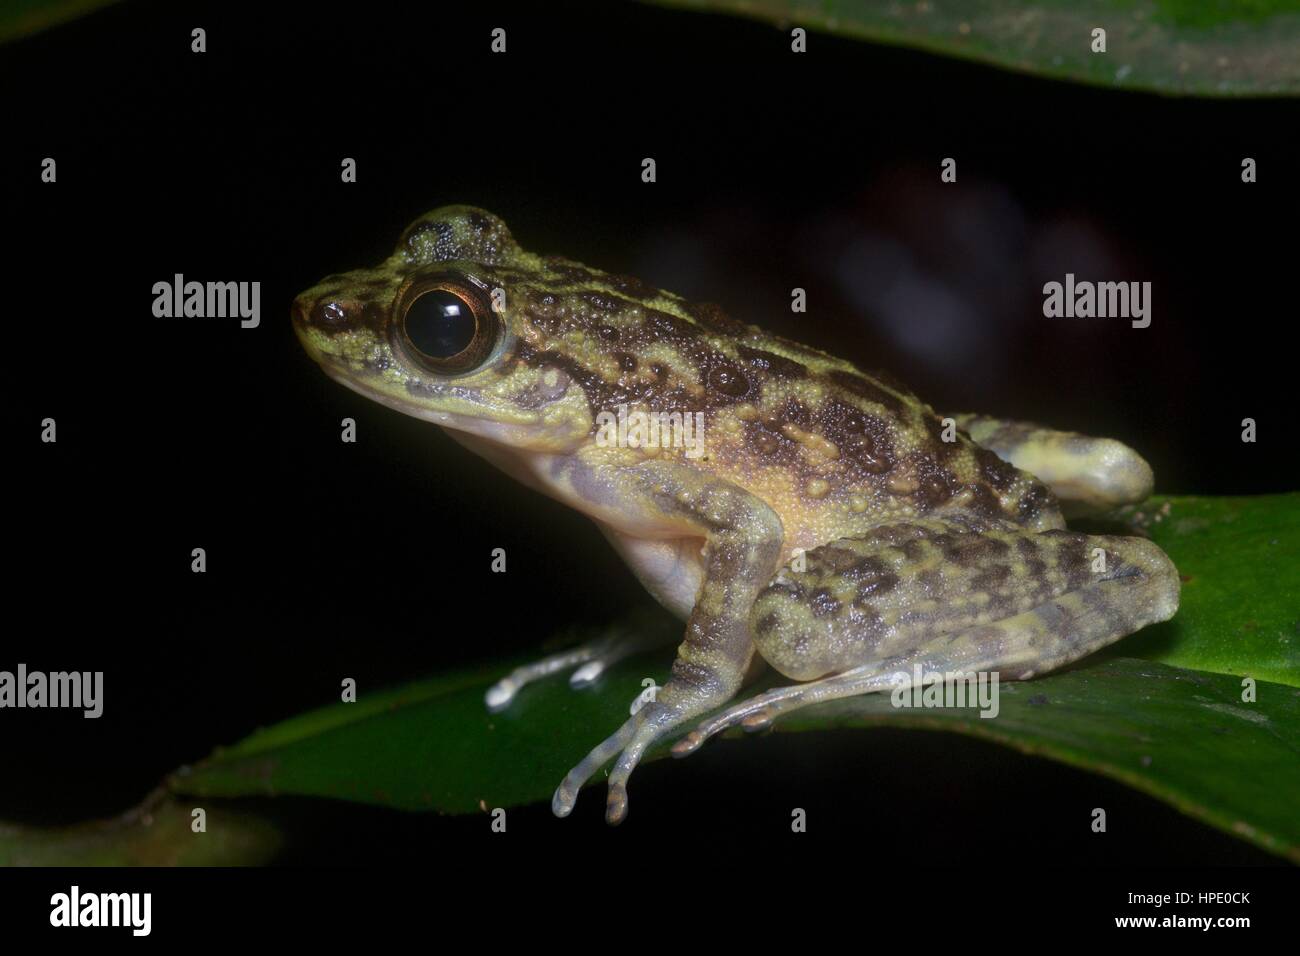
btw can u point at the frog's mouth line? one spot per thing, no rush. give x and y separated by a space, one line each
513 428
413 408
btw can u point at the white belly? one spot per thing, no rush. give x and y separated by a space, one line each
671 569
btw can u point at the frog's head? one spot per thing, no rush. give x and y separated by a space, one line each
440 331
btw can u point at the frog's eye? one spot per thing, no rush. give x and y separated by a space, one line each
448 328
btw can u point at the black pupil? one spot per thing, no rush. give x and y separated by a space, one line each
440 324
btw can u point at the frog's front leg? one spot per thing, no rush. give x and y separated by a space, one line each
743 538
954 595
587 661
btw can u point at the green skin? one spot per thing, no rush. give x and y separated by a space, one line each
829 524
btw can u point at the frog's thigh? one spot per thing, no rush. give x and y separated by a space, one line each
948 598
1029 601
743 545
1091 474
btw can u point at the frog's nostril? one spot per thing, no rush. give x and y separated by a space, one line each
331 315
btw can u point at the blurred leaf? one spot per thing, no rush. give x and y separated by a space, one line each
1237 48
158 833
19 18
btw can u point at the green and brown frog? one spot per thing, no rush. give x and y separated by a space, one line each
818 517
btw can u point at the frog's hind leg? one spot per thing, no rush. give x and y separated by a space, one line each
1088 475
760 710
945 596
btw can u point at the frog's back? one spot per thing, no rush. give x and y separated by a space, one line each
832 448
861 448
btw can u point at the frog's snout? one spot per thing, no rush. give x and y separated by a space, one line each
298 313
328 315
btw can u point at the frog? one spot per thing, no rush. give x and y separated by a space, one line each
819 520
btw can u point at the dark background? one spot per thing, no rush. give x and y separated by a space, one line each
775 171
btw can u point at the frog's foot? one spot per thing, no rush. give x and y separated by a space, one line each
1061 595
588 661
1089 475
630 741
761 710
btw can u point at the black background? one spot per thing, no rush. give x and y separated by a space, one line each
328 559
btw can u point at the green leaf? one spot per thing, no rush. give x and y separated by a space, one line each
1180 733
157 833
1241 48
1239 559
431 745
1182 736
19 18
